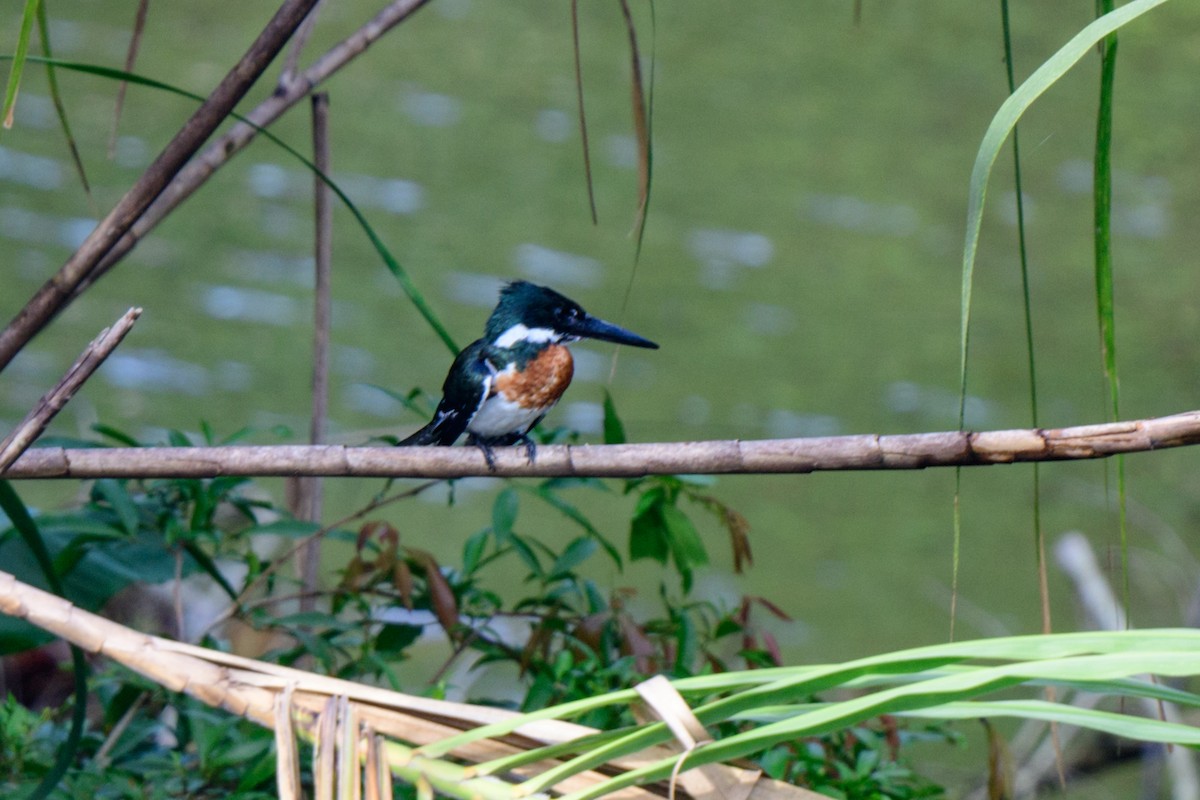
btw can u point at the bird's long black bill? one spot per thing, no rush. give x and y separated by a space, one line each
592 328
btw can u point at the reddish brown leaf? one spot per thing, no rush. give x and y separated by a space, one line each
402 579
636 643
445 605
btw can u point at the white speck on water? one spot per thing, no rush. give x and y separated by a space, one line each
695 410
153 370
765 319
453 9
234 376
722 252
552 125
35 111
432 109
283 222
854 213
23 225
67 35
473 288
269 180
370 400
394 195
400 196
271 267
621 150
782 423
584 417
36 172
1148 220
352 362
249 305
132 152
72 231
1007 206
1075 176
545 265
936 404
590 365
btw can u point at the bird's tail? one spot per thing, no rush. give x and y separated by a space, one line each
442 431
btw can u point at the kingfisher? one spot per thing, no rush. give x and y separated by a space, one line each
501 386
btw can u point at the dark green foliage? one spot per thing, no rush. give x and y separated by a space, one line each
192 751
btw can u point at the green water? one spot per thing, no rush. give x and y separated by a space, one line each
800 267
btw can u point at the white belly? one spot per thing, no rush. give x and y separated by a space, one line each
499 417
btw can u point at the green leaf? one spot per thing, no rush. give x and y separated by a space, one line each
687 643
116 435
648 535
259 772
686 545
473 550
527 555
393 639
504 514
178 439
547 493
614 431
117 495
287 528
577 552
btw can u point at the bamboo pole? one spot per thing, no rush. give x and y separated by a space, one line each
832 453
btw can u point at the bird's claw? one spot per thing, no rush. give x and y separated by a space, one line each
530 448
489 454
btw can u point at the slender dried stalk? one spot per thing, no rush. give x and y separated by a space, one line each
862 452
309 496
22 436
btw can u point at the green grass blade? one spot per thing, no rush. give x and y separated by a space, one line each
1105 302
56 97
998 131
1126 726
18 63
1039 539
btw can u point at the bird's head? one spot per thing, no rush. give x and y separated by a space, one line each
531 313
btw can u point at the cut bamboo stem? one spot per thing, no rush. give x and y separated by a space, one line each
861 452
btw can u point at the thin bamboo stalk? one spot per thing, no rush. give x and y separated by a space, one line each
861 452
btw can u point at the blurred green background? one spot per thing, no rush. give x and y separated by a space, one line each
800 269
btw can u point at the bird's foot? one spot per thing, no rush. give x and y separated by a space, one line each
530 447
485 447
